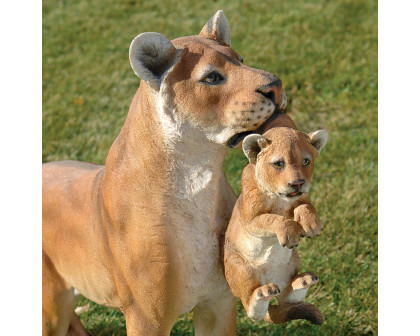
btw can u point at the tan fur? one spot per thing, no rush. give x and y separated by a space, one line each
142 233
267 222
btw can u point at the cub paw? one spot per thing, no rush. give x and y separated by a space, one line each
304 281
313 228
267 292
289 237
309 221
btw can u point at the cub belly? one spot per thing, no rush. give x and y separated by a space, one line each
273 262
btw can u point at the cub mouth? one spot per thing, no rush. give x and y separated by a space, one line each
238 137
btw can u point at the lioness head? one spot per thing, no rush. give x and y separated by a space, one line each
284 159
202 87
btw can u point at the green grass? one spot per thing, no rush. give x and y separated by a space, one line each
326 54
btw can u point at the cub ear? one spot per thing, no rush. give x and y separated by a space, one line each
252 146
318 139
151 55
217 27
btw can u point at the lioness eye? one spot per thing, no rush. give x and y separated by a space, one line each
306 162
279 164
213 78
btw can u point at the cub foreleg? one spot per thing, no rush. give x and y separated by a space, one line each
287 231
305 215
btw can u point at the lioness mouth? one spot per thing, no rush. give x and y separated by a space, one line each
237 138
296 193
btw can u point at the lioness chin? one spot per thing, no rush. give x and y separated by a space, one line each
271 214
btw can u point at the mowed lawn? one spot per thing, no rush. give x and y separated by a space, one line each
326 54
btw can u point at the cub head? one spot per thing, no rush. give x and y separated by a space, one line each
284 159
201 86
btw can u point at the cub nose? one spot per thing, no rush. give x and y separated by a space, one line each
297 183
272 91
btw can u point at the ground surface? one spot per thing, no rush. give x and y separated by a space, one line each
326 54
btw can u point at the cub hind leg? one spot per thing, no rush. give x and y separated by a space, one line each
290 301
296 291
291 306
260 301
244 283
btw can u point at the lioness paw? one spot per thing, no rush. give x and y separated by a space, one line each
266 292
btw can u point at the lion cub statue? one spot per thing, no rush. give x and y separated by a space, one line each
271 214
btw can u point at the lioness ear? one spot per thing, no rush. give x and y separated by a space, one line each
252 145
151 55
318 139
217 27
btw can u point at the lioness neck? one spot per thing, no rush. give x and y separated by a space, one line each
195 167
189 167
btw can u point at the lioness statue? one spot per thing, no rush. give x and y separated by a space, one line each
272 212
142 233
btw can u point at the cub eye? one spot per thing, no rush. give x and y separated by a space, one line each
306 162
213 78
279 164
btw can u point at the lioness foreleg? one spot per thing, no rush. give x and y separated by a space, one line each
287 231
217 319
76 327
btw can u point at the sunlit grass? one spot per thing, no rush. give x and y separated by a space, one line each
326 54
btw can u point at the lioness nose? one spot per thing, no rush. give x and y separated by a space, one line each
272 91
297 183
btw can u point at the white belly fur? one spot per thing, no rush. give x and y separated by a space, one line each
273 262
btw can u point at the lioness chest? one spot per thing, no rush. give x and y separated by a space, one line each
199 218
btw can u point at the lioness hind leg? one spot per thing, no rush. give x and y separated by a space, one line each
76 327
57 301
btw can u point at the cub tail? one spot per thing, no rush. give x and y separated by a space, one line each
293 311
